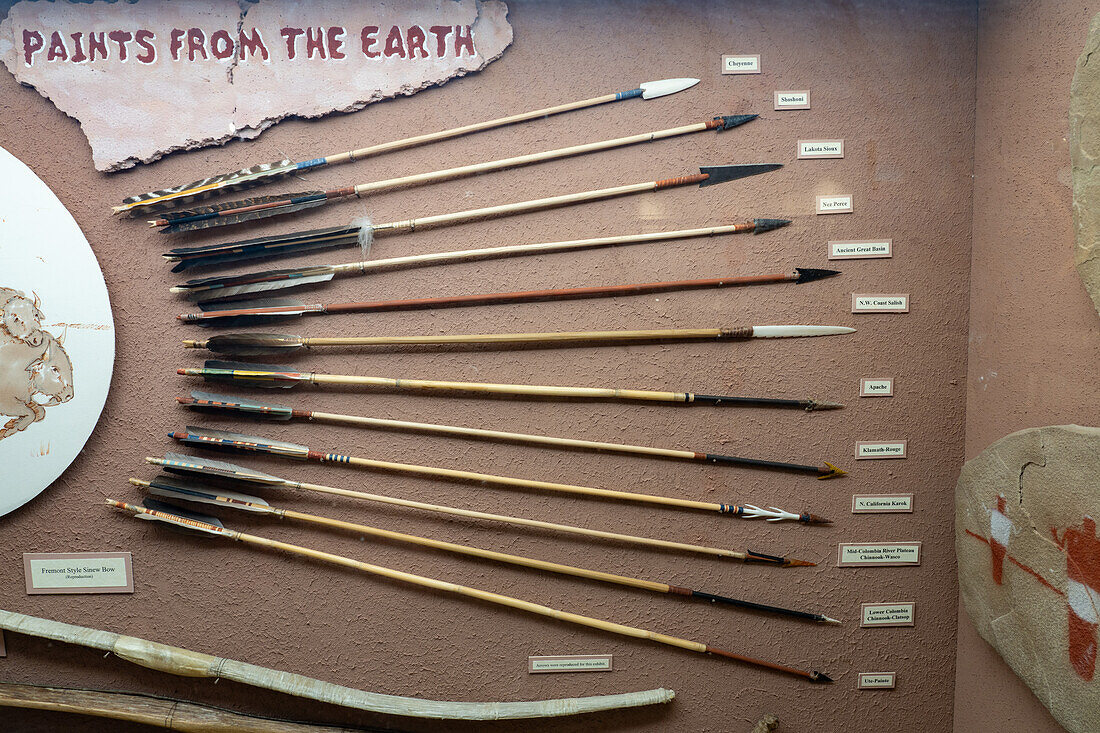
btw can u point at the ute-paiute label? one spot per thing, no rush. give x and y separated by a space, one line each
877 680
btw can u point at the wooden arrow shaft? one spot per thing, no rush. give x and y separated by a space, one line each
547 337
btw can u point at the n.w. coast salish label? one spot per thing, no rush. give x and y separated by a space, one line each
809 149
747 63
881 554
887 614
877 680
838 204
882 503
792 100
78 572
880 302
861 249
872 449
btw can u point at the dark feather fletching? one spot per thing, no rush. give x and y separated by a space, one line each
254 344
275 246
219 403
269 377
221 221
182 515
193 465
236 313
238 204
171 487
210 438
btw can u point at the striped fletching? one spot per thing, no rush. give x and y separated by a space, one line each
204 188
225 440
193 465
171 487
239 203
219 403
221 221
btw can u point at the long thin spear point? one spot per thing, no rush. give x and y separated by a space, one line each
766 225
809 274
716 174
833 472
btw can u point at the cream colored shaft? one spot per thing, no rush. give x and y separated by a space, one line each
518 160
410 142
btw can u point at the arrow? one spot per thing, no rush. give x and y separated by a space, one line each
244 312
169 514
277 344
207 402
172 488
262 207
217 288
223 440
269 172
363 231
262 375
236 475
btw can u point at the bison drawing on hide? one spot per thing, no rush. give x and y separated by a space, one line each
35 371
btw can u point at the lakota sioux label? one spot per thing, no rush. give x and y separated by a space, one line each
741 64
834 204
857 554
876 387
882 503
78 572
808 149
877 680
570 663
861 249
880 302
871 449
887 614
792 100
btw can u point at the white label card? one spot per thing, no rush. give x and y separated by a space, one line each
887 614
839 204
570 663
882 503
810 149
861 249
879 554
792 100
883 387
746 63
880 302
78 572
877 680
874 449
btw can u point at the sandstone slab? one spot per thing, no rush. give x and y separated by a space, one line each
153 76
1029 562
1084 123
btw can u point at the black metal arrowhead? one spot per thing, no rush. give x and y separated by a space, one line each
722 173
808 274
731 121
766 225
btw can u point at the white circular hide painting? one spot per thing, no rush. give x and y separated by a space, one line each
57 337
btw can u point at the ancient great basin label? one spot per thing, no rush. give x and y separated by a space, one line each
836 204
880 302
861 249
792 100
887 614
212 71
880 554
809 149
872 449
880 387
748 63
78 572
877 680
570 663
882 503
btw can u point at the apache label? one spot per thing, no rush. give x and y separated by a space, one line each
880 302
880 554
872 449
810 149
792 100
887 614
741 64
883 387
861 249
877 680
570 663
882 503
78 572
841 204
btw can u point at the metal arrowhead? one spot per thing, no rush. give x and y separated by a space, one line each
663 87
723 173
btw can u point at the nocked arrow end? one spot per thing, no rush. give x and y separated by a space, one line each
809 274
766 225
831 471
731 121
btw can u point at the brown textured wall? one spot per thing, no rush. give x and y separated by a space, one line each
894 79
1034 341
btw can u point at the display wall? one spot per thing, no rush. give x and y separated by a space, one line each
897 82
